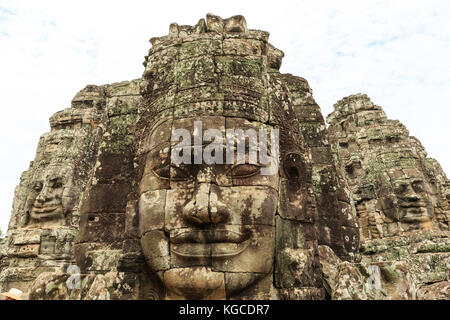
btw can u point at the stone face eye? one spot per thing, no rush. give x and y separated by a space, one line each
162 172
56 183
37 186
400 187
245 170
171 172
181 173
418 186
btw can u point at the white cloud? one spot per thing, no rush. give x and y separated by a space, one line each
395 51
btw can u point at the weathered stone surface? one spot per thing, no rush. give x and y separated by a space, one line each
435 291
55 286
219 219
45 216
48 201
395 187
349 281
399 193
355 211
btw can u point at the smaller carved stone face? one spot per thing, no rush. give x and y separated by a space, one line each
45 199
410 201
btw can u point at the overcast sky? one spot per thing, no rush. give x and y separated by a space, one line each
397 52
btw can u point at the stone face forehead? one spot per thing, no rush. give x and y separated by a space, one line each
399 174
52 171
160 135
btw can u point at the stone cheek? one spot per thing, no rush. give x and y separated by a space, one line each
152 211
155 246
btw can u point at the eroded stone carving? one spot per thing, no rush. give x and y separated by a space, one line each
45 216
394 185
208 231
399 193
148 227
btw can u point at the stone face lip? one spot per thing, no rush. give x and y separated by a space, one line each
355 211
208 236
204 250
209 243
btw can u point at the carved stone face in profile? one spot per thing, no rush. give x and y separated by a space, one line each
208 229
45 199
410 200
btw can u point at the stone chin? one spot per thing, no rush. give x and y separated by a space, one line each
202 257
202 283
194 283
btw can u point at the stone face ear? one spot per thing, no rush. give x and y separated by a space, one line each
235 24
296 201
294 167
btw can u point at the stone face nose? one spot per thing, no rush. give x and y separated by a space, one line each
196 210
203 208
44 195
411 195
218 210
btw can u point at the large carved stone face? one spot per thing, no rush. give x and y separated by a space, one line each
45 198
410 201
208 230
